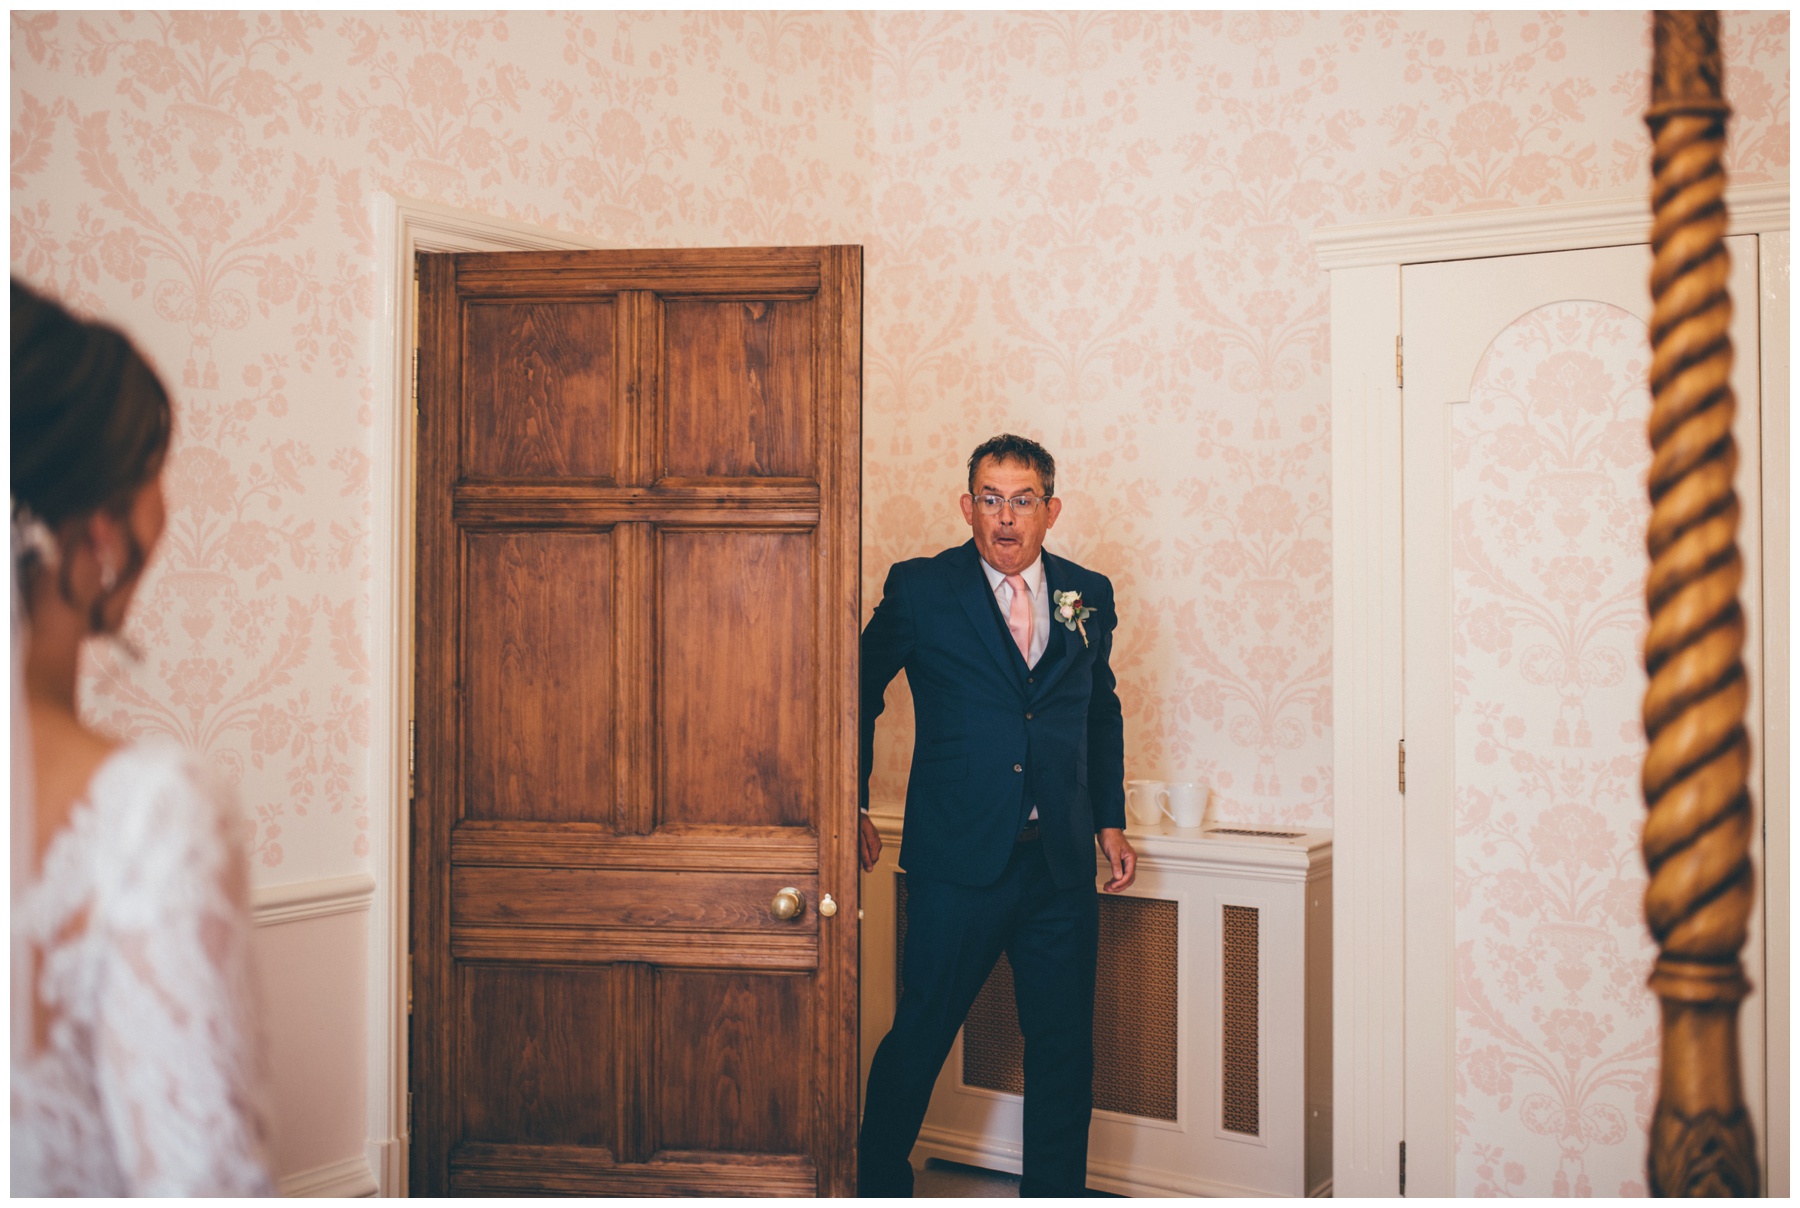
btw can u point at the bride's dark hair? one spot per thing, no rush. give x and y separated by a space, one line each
90 423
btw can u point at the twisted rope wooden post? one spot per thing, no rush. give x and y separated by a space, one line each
1697 832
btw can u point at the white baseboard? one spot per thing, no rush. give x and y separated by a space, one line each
935 1142
348 1179
1116 1177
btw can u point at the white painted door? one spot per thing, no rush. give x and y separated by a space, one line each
1532 1041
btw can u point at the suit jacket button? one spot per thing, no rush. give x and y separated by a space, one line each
1028 717
1031 679
1018 767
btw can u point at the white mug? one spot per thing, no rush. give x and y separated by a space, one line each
1187 803
1143 801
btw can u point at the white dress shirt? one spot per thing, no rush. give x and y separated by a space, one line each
1038 590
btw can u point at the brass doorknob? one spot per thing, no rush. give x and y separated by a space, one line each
787 904
827 907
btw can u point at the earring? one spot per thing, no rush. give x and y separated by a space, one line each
109 579
33 537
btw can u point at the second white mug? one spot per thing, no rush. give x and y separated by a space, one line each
1144 801
1187 803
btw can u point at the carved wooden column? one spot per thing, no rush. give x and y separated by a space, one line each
1697 833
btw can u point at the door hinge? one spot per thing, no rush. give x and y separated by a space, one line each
1399 363
1402 765
412 749
415 380
1403 1168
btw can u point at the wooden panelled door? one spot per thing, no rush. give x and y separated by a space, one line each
637 618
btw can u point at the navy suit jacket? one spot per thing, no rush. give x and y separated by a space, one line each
993 737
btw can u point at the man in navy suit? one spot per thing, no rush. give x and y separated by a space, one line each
1017 771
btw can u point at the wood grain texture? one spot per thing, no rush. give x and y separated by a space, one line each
483 1169
538 662
738 382
628 898
794 952
681 497
735 677
836 1081
575 845
542 389
646 676
671 272
634 1042
595 509
432 1028
734 1062
1698 830
633 628
537 1048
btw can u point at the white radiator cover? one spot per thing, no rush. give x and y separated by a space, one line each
1280 889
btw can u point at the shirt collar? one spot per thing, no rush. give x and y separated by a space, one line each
1034 576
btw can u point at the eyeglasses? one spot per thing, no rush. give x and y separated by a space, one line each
1022 505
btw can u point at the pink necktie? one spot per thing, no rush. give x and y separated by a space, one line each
1019 620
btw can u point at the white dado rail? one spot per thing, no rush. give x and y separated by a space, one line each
1212 1021
297 900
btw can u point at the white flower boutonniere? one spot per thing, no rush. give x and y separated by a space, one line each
1072 612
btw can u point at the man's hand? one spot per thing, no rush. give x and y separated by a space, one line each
1122 858
868 842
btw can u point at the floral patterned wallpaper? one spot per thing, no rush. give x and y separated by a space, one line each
205 180
1088 227
1092 227
1556 1033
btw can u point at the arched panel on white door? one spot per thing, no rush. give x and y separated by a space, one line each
1531 1038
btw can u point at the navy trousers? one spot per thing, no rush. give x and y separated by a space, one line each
954 936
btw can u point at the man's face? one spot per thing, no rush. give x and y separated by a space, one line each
1010 542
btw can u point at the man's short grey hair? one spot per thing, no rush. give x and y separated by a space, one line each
1022 449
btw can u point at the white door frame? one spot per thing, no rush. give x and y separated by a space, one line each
404 226
1370 1029
1773 280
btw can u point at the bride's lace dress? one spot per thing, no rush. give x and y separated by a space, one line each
150 1080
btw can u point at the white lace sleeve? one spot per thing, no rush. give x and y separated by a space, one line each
180 1065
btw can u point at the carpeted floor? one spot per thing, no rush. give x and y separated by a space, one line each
941 1180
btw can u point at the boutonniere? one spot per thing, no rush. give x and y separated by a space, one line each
1072 612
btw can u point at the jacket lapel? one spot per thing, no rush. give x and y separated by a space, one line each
977 600
1063 640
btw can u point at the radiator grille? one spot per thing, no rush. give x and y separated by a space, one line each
1240 1110
1136 1010
1261 834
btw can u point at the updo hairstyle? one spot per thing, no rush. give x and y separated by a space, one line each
90 426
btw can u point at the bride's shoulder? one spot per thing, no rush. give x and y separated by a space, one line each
158 795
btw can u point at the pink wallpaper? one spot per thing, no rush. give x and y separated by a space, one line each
1556 1036
1091 227
205 179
